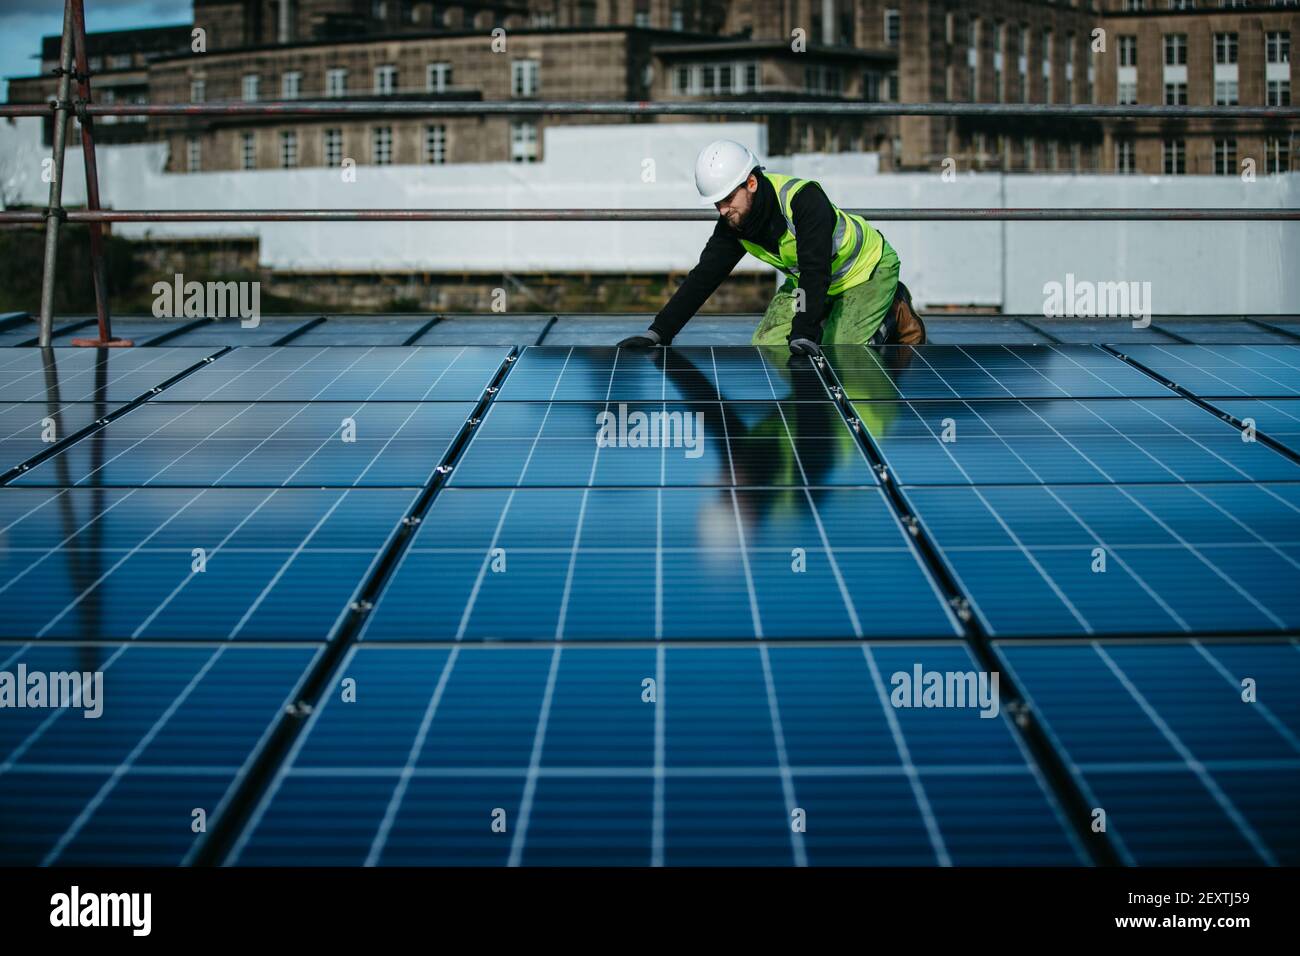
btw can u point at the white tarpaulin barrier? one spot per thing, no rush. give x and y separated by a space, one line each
1193 267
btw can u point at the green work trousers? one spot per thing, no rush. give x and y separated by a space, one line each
854 315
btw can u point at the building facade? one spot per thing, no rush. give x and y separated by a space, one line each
969 51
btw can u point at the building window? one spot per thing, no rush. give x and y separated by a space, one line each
1029 152
724 78
1225 92
675 19
438 79
1128 51
891 87
682 79
381 145
1128 93
248 150
435 144
385 79
707 77
1225 48
523 77
523 142
193 155
1278 93
290 85
1047 66
893 27
1277 47
871 87
641 18
999 55
1175 94
198 91
336 82
1175 49
1175 157
334 147
288 149
751 77
1125 156
250 87
119 61
1277 156
1225 157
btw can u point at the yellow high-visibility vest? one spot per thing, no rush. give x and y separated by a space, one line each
857 246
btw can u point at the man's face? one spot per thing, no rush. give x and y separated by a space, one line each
735 208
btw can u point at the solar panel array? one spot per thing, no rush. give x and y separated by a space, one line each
471 605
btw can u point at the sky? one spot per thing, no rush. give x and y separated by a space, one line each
24 22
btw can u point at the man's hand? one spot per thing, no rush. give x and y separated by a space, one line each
648 340
805 347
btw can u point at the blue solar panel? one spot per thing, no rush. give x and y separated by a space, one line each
1177 558
1225 370
547 374
987 371
1060 441
270 444
316 374
28 429
653 443
1160 736
84 375
676 563
581 769
178 727
1278 418
92 564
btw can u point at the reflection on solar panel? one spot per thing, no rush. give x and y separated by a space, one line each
122 788
679 374
987 371
1262 371
263 443
29 428
1066 441
569 640
583 769
1114 559
306 374
652 443
86 375
1186 745
649 564
194 564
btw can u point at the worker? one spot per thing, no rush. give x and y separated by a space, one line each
842 283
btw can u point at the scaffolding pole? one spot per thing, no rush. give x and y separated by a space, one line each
97 265
54 211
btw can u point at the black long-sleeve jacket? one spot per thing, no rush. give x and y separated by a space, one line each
814 224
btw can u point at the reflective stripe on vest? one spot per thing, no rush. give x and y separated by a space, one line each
848 259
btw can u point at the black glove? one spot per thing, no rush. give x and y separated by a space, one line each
649 340
805 347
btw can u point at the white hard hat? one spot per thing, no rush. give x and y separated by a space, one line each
722 166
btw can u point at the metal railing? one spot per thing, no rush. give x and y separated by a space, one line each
73 51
